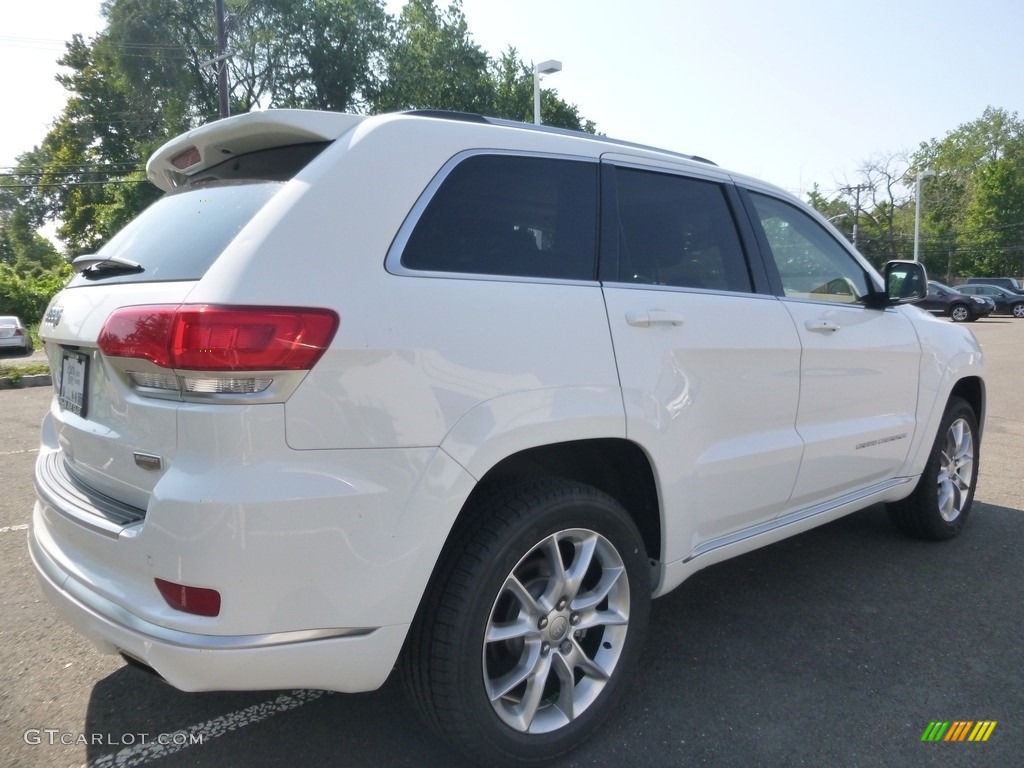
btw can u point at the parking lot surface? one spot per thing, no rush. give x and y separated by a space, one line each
838 647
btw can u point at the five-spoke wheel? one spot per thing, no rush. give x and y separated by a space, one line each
533 624
939 505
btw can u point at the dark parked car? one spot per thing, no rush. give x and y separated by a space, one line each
1009 283
958 307
1006 301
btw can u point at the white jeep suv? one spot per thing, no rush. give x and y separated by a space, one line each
466 394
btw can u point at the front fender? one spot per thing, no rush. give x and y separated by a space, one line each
950 354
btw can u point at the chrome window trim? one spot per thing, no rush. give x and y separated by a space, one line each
688 289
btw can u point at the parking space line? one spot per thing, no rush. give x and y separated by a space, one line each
9 528
15 453
201 733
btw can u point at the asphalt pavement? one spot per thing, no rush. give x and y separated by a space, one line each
835 648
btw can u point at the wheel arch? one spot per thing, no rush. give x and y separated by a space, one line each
615 466
972 389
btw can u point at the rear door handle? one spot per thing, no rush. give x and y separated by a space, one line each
651 317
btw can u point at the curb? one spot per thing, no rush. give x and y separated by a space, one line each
35 380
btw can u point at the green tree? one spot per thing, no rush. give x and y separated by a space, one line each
31 269
311 54
433 63
973 210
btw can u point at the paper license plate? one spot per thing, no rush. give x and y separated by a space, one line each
74 369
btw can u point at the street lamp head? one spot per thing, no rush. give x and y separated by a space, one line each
544 68
925 173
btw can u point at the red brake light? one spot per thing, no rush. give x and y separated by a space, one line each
186 159
140 332
197 600
212 338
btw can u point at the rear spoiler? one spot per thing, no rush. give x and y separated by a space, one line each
192 152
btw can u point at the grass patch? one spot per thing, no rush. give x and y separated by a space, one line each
16 371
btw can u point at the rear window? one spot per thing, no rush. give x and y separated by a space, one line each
510 215
180 235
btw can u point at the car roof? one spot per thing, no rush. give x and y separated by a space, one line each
192 152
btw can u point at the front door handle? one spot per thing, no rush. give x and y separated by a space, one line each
651 317
821 326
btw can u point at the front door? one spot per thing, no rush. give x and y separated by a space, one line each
860 365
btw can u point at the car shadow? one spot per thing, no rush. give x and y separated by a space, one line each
10 353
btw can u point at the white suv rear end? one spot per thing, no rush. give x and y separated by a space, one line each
470 388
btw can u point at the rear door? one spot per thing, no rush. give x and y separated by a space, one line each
709 366
860 365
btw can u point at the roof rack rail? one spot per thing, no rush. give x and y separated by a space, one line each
446 114
472 117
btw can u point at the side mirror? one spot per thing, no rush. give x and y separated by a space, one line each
905 282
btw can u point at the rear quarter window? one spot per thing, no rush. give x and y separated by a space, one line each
509 215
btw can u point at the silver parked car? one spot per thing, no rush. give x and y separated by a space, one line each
13 334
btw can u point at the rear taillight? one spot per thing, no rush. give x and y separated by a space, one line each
17 332
217 340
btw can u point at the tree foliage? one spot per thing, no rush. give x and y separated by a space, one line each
31 269
972 206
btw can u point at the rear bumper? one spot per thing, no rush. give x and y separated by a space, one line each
339 659
320 557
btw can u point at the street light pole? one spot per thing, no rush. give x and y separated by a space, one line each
222 64
544 68
917 212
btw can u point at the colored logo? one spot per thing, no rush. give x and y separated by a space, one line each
959 730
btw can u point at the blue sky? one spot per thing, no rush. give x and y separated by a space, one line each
791 91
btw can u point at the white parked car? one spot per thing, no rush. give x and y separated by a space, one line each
13 334
466 394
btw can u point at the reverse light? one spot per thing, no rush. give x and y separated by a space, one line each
222 386
197 600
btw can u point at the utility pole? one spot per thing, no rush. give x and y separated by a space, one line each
856 207
222 61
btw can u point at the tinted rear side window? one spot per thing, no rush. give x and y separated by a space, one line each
675 231
510 215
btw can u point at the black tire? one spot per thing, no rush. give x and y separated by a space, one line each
941 503
461 683
961 313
